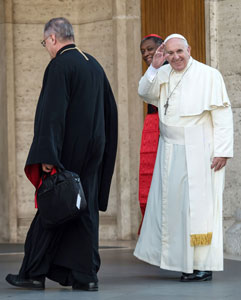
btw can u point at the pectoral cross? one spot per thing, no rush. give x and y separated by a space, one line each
166 106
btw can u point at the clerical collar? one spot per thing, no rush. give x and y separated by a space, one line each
64 48
71 47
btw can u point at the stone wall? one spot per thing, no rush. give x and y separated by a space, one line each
223 52
3 124
108 30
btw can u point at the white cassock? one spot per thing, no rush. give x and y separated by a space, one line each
182 228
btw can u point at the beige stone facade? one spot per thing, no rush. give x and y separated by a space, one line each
224 47
110 30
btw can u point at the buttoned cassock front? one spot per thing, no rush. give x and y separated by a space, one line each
185 198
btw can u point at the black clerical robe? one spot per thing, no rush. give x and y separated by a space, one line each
76 129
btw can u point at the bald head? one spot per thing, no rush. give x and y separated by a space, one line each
61 27
58 32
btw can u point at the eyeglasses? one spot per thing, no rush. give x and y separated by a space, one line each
43 42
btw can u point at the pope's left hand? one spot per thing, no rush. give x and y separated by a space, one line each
218 163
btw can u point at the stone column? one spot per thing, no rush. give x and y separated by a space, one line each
127 71
3 140
224 25
229 45
211 33
110 31
8 209
233 236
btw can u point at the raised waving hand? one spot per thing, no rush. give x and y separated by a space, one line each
159 57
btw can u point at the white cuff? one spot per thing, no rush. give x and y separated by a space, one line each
151 72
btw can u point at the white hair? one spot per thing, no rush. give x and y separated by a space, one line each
176 36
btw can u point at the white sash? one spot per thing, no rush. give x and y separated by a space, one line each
198 146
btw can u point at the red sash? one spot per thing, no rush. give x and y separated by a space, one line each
33 172
149 144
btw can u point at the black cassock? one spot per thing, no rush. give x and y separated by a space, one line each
75 128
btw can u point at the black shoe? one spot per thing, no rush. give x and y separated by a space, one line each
196 276
25 283
91 286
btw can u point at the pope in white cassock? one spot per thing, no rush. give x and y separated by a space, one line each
182 227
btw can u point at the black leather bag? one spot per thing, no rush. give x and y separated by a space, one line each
60 198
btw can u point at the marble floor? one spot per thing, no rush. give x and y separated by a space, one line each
122 276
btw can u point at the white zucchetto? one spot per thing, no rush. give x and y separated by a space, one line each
175 35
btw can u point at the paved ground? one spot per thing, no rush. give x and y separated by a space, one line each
122 276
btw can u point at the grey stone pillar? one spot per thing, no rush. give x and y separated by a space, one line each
233 236
3 140
111 33
223 49
127 70
8 209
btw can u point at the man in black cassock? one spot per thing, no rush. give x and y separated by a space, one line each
76 129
